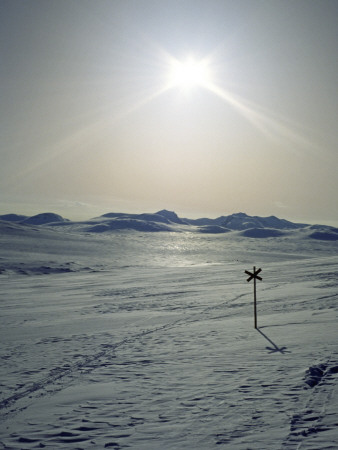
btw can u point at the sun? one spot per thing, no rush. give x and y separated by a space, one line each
189 73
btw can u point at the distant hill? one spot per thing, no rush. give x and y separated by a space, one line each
44 218
239 224
241 221
13 217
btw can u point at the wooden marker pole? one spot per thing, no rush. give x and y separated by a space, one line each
254 275
255 299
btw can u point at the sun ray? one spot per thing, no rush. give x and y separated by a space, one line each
271 127
191 73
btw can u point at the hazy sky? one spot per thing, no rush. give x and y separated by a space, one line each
90 125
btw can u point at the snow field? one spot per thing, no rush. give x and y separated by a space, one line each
159 350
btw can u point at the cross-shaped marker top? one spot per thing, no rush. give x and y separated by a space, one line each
254 274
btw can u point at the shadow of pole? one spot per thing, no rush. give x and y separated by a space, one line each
274 348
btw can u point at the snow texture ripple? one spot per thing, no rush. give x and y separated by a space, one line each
146 341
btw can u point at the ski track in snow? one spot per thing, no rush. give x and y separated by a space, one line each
164 355
87 364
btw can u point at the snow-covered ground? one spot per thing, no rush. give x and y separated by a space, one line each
147 341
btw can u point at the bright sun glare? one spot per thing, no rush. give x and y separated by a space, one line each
189 73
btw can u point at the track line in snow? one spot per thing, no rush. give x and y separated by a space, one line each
65 375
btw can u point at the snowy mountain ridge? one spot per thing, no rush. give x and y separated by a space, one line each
164 220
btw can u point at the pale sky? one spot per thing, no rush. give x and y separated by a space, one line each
91 124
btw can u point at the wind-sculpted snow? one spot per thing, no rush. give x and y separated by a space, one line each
146 340
213 229
262 233
129 224
325 235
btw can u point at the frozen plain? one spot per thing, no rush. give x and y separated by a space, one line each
146 341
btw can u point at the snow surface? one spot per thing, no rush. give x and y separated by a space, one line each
146 340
